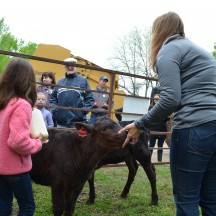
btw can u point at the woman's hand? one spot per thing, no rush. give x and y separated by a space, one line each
132 133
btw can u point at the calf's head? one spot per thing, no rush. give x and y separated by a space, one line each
104 132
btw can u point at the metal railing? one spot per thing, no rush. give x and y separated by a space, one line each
111 93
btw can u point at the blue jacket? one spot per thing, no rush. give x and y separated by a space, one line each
71 98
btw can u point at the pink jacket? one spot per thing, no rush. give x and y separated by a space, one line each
16 146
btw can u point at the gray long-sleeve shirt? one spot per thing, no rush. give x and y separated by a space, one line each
101 97
187 76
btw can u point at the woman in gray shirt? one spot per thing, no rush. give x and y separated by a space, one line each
187 76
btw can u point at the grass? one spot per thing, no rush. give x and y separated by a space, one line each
109 183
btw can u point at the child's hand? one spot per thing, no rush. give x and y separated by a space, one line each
43 139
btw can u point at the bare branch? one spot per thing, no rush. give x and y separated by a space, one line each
131 55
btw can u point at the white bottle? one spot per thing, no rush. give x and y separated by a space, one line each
37 125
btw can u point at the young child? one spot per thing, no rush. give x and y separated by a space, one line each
47 78
41 102
17 98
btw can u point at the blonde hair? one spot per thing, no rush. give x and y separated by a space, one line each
41 93
164 26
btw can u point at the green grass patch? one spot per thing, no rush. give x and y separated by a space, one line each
109 183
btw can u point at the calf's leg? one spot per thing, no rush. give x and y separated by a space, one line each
57 199
91 190
144 158
132 168
71 195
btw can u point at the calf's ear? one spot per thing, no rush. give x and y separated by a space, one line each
87 127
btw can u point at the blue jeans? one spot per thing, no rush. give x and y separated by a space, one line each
152 142
21 187
193 169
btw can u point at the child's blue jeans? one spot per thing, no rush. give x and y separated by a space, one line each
21 187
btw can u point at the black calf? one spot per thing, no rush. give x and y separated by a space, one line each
130 155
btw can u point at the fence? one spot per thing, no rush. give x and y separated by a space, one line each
111 92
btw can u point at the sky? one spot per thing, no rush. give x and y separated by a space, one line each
91 28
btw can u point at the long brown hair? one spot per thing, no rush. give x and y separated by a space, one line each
153 101
18 81
164 26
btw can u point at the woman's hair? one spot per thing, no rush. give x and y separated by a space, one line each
51 75
164 26
153 101
18 81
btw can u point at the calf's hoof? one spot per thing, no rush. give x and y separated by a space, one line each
123 196
154 200
89 202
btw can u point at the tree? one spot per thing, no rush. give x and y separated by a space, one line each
131 55
214 52
9 42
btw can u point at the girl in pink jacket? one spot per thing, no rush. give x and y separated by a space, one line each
17 98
